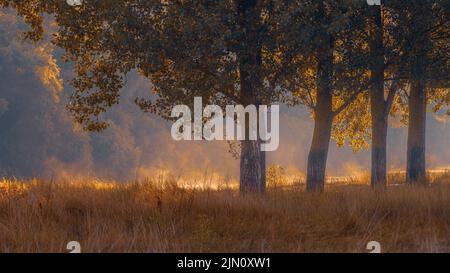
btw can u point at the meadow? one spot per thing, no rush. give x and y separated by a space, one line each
157 215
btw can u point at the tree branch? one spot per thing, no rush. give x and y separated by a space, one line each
352 98
391 95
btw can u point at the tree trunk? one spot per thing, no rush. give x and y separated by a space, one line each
379 147
318 154
252 167
323 120
378 105
252 162
415 168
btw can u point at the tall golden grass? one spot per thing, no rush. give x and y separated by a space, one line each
159 216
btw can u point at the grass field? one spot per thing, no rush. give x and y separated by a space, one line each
40 216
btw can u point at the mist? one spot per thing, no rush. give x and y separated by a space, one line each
38 137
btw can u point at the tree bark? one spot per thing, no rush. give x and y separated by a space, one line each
415 167
323 120
318 154
379 147
378 105
252 161
252 167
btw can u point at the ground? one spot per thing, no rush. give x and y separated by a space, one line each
43 216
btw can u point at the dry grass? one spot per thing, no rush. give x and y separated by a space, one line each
39 216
